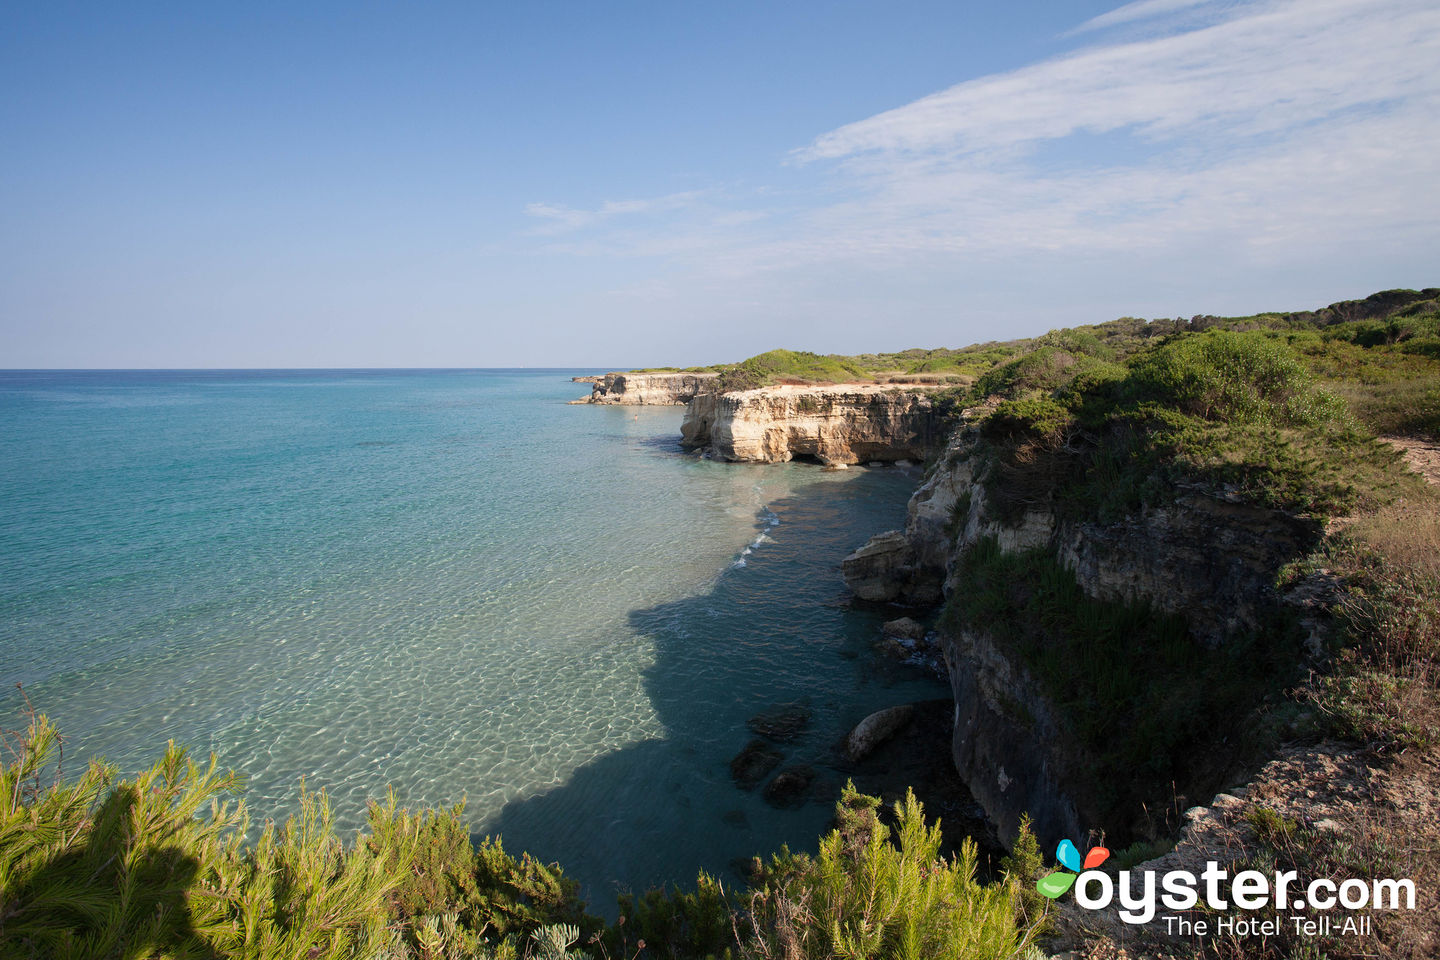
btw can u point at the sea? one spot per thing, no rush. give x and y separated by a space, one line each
446 582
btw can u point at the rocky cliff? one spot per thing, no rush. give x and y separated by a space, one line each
844 424
648 388
1208 561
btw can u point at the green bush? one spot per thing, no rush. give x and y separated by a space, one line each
1032 417
1047 369
1237 377
1022 867
99 867
779 365
864 897
676 924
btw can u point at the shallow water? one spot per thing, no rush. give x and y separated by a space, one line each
448 581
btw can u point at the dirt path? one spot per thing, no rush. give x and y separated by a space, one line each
1423 456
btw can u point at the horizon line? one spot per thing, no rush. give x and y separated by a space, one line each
292 369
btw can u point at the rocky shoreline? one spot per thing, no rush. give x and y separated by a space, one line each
1128 669
665 389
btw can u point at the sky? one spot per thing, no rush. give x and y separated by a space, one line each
631 184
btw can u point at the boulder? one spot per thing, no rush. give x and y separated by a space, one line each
879 570
905 627
877 728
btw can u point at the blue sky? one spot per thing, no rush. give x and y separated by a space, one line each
587 184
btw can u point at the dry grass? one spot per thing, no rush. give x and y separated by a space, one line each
1406 534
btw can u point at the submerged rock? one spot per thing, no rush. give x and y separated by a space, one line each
876 729
905 627
735 818
782 722
791 787
752 764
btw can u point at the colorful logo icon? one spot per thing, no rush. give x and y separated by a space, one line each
1057 883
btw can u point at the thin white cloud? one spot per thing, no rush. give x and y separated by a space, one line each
1139 10
1294 130
1282 65
560 219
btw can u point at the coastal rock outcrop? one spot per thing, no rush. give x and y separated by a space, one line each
1011 743
841 424
881 569
670 389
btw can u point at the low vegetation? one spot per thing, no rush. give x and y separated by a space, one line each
157 866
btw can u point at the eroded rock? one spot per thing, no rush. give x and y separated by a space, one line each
880 569
834 424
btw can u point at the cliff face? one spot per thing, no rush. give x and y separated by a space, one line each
1211 561
845 424
648 388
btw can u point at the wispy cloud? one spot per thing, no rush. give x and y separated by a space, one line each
1278 66
558 219
1139 10
1285 128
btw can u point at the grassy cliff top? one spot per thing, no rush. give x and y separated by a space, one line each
1380 355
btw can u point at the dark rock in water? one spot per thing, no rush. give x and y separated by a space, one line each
905 627
781 722
751 765
900 648
735 818
918 756
791 787
876 729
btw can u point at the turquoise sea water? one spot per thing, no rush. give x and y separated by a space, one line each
448 581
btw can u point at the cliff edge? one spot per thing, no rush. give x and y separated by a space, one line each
831 424
668 389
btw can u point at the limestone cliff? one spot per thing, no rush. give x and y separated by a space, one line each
1196 554
670 389
843 424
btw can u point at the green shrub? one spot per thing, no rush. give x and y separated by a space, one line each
781 365
100 867
1022 867
1272 829
676 924
864 897
1032 417
1236 377
1047 369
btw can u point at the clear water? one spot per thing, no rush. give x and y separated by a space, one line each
448 581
